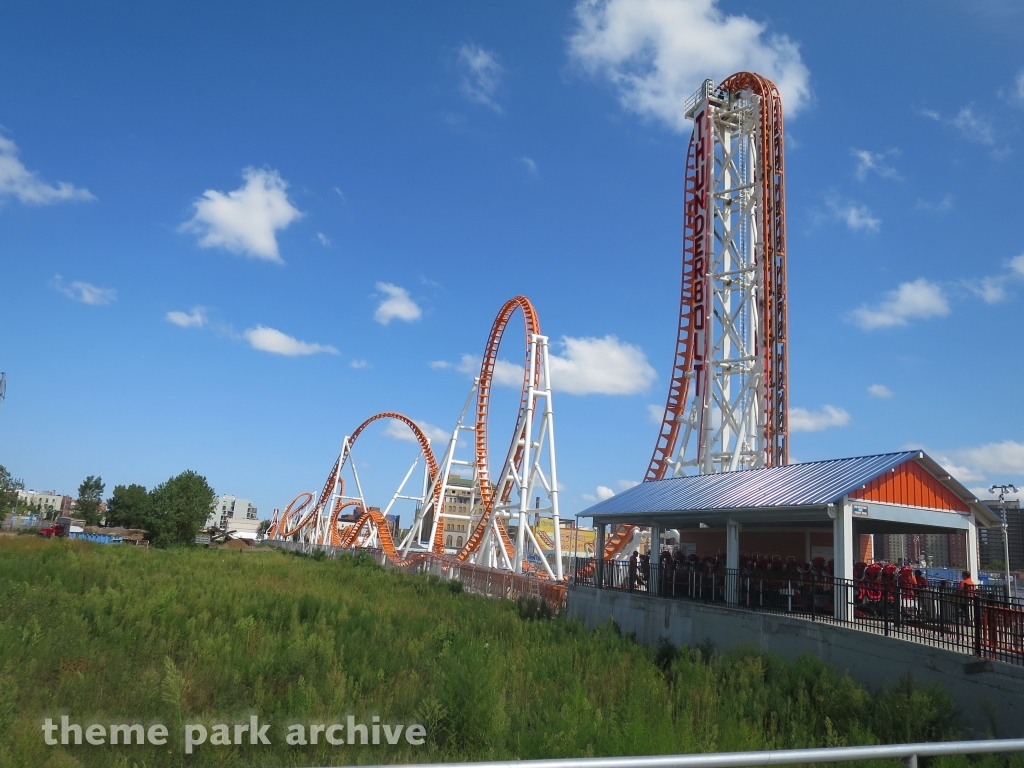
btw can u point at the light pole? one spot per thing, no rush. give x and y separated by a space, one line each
1003 490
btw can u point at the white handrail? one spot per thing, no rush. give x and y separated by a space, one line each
907 752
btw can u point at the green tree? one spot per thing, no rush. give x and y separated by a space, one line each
180 508
261 532
90 496
9 487
130 507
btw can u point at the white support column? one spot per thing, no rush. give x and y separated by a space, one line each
655 554
732 561
842 553
972 548
599 555
549 420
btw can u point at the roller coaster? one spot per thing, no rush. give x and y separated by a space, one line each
497 509
727 405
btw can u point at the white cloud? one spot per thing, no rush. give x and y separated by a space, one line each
944 204
272 340
874 162
359 364
603 492
481 75
600 366
856 217
625 485
439 364
656 53
396 430
324 239
879 390
87 293
993 288
917 299
398 305
1005 458
247 219
341 195
804 420
655 413
1017 264
986 463
531 166
505 374
1018 90
194 319
587 366
989 289
974 127
19 182
962 473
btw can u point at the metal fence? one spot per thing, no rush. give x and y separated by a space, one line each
491 581
984 625
477 579
12 522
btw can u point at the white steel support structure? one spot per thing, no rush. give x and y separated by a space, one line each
414 539
320 533
528 472
724 427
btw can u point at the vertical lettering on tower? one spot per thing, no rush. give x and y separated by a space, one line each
702 221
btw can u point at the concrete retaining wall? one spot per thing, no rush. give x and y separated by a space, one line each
990 694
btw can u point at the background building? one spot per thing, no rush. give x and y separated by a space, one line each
458 500
932 550
991 543
48 503
234 514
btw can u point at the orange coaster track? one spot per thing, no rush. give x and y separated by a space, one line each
280 530
428 455
375 518
295 509
488 493
337 540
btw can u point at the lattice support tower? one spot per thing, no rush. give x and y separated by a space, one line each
727 407
529 471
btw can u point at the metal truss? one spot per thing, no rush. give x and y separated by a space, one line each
529 470
727 405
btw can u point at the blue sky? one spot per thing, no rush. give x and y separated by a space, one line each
230 233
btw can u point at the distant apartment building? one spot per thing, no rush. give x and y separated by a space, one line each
49 503
932 550
234 514
458 500
990 542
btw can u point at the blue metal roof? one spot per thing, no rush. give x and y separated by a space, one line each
814 484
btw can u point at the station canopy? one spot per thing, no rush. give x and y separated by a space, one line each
890 493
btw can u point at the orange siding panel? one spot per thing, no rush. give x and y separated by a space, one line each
913 485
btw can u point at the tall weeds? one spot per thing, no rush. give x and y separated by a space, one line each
111 635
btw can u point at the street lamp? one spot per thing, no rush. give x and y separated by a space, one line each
1003 490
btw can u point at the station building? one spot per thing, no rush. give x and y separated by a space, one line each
829 509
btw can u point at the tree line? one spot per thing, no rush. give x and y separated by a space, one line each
171 513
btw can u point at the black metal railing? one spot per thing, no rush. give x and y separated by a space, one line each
968 621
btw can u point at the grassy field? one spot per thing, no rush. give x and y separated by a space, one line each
124 635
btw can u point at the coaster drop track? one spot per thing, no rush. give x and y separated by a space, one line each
700 179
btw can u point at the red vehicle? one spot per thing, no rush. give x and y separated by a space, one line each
60 527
